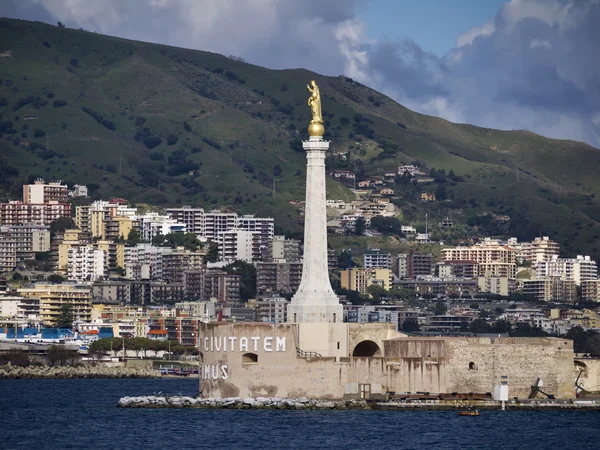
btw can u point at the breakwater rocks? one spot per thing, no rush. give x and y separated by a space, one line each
238 403
82 371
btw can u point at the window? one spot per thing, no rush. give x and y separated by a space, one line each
472 366
249 358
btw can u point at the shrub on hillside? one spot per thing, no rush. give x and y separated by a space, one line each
59 103
39 133
152 141
156 156
171 139
3 101
50 95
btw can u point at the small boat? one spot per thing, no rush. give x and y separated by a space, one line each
470 412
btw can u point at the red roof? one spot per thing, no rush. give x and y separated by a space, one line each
158 332
89 332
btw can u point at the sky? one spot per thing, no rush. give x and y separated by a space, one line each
505 64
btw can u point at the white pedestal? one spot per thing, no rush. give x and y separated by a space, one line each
315 300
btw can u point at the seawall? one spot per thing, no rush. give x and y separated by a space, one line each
81 371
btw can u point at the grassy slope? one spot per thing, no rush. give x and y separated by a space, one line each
547 182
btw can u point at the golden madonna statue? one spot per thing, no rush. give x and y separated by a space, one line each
316 127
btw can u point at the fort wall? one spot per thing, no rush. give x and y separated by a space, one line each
262 359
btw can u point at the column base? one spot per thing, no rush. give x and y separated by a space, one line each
315 313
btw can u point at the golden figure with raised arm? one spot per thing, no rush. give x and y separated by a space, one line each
316 127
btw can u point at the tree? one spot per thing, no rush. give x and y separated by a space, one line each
54 278
377 292
61 224
277 170
440 192
440 309
479 326
360 226
65 319
248 278
411 325
60 25
212 255
120 271
133 237
387 225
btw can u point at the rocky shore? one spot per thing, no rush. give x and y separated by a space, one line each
81 371
238 403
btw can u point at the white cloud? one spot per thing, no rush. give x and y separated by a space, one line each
540 43
469 36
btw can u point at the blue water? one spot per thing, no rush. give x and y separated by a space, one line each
77 414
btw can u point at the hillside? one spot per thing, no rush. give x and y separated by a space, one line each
136 119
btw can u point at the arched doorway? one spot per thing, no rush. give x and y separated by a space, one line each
366 349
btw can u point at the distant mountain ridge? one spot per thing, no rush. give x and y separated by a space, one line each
167 126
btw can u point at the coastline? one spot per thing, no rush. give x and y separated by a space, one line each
73 372
306 403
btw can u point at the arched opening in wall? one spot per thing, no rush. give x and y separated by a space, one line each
249 358
472 366
366 349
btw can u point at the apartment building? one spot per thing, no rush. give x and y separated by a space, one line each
86 263
176 263
41 192
272 309
281 249
278 277
359 279
239 245
60 245
590 290
375 258
493 260
53 297
550 289
222 286
581 268
144 262
16 212
154 224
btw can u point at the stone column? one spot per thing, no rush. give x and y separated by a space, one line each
315 301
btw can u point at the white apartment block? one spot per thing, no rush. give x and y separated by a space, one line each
578 269
20 308
239 245
375 258
86 263
41 192
154 224
144 262
210 225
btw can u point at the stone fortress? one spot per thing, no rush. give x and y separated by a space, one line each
316 355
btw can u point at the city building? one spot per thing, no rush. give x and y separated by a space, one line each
578 269
551 289
440 287
176 263
41 192
272 309
16 212
86 263
278 277
53 297
496 285
20 309
359 279
280 249
492 259
223 286
144 262
60 245
239 245
590 290
154 224
414 264
375 258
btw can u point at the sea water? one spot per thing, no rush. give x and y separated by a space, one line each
82 414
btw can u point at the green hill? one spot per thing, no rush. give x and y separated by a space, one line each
166 126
